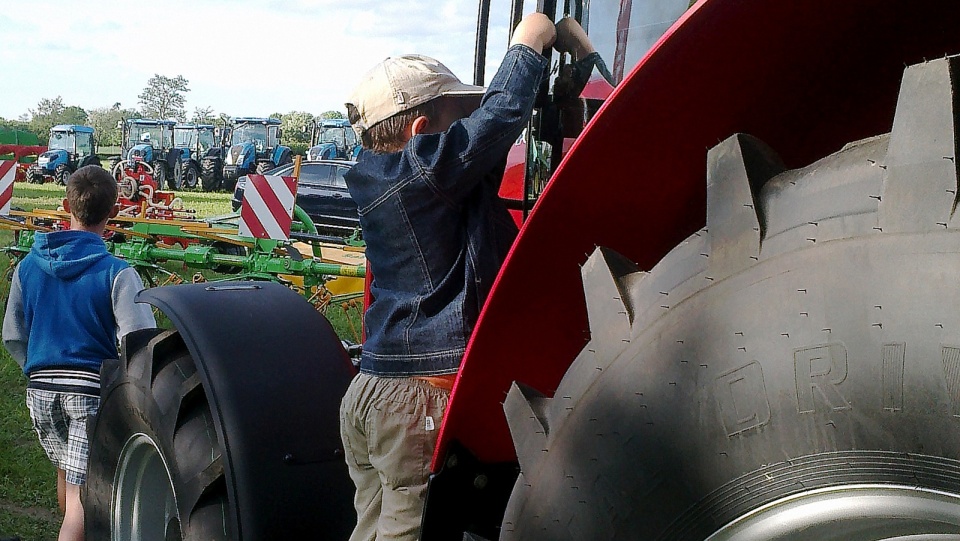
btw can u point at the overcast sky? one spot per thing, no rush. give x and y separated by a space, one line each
241 57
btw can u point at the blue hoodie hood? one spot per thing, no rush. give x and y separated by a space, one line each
67 254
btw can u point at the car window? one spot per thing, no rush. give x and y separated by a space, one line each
316 174
338 180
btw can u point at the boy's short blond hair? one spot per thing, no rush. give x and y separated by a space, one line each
92 194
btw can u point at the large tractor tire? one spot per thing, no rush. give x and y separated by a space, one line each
34 175
92 159
190 176
263 167
226 429
62 174
175 180
210 174
156 471
789 372
160 173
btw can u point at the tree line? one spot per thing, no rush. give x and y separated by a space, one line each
162 98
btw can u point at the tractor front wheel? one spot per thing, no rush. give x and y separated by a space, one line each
34 175
155 458
175 180
263 167
61 174
159 173
190 176
210 174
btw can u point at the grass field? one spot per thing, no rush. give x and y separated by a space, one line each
28 507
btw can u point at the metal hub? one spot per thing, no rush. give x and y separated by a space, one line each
851 513
144 501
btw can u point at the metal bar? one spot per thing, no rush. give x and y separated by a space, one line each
480 51
516 14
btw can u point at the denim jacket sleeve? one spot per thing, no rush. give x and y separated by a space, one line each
456 160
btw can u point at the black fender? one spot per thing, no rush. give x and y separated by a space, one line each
274 373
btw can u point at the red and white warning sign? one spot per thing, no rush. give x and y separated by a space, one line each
267 209
8 172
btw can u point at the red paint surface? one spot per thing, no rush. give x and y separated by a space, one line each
805 77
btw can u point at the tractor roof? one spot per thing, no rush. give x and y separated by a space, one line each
72 128
334 123
255 120
151 122
190 126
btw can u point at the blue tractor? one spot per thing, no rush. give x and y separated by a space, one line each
70 148
255 148
333 139
151 141
199 144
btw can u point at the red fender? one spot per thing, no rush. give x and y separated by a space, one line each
805 77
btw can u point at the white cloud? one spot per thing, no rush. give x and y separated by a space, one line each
241 57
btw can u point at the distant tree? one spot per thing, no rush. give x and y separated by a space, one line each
104 120
203 115
163 97
14 125
296 127
332 115
50 112
278 116
74 115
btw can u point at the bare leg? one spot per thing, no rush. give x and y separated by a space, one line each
62 490
72 528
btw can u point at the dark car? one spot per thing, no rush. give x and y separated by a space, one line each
321 193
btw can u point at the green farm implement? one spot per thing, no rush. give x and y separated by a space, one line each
326 271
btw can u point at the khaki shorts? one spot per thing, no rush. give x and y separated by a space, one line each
389 429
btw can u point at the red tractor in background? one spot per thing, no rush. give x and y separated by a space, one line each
766 347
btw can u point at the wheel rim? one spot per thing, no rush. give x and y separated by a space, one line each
851 513
190 177
144 502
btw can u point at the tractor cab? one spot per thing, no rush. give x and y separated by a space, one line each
333 139
196 142
152 141
194 139
254 148
70 147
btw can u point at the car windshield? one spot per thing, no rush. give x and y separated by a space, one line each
60 140
146 134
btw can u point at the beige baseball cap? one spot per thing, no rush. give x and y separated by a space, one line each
403 82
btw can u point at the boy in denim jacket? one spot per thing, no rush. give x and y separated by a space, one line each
426 186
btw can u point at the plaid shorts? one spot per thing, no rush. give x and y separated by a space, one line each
60 420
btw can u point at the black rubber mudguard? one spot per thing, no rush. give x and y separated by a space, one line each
274 372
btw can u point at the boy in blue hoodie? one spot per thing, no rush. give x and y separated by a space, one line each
70 302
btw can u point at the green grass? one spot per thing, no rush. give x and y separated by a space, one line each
28 506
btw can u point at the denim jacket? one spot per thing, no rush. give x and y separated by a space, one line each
436 230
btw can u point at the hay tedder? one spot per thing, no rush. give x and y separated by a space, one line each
168 245
730 315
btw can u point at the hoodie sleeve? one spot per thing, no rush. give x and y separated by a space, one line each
131 316
15 332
